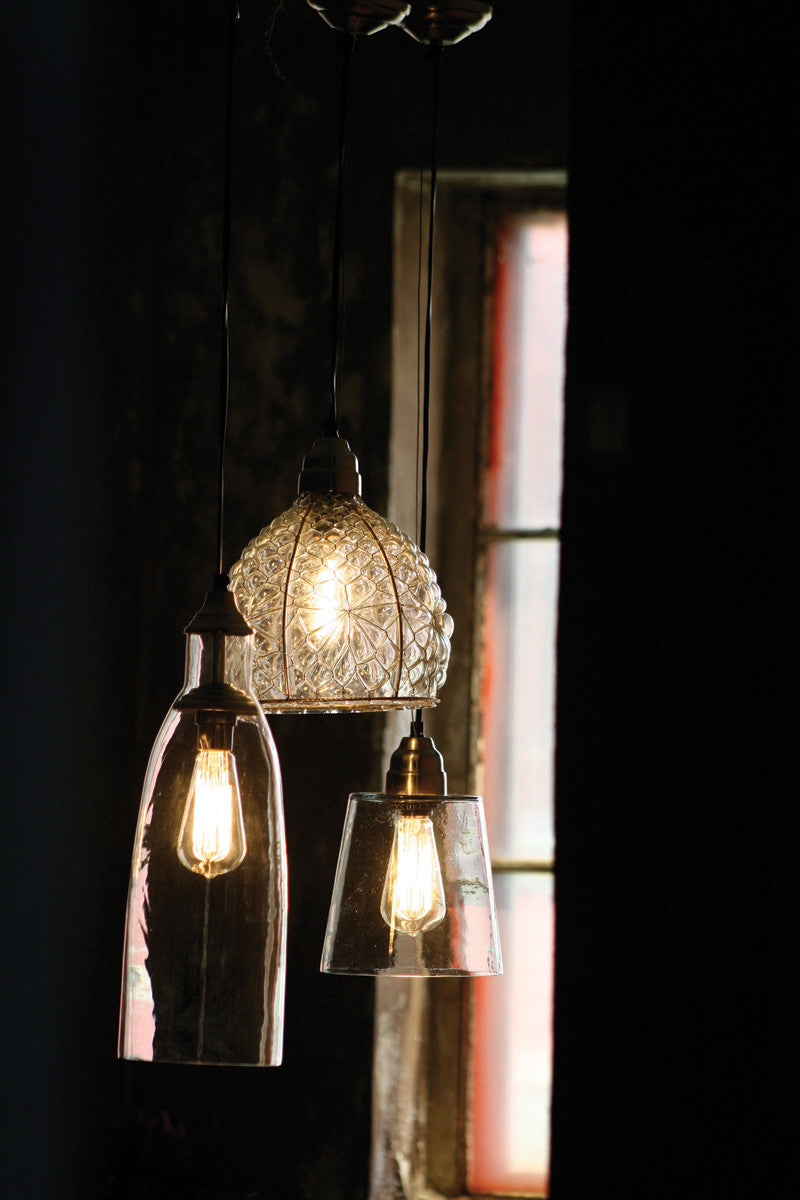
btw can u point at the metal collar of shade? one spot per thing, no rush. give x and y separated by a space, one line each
346 610
217 621
413 890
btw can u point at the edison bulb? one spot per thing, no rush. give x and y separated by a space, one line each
413 895
212 838
325 614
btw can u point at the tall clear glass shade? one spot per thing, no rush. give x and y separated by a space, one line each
205 938
413 890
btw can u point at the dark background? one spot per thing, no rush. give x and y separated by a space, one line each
676 707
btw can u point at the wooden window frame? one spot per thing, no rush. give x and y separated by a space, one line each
422 1026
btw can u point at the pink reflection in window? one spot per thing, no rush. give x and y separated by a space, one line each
513 1047
512 1029
518 698
527 416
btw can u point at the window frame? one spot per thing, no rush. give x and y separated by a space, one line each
423 1027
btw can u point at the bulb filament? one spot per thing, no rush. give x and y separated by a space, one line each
212 838
413 894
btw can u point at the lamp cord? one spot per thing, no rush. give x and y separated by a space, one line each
417 447
417 725
331 428
225 380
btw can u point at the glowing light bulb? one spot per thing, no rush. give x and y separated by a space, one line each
212 838
413 895
325 614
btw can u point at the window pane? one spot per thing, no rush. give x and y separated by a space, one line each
509 1146
518 710
524 470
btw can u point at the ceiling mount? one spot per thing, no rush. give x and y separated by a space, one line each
445 22
361 16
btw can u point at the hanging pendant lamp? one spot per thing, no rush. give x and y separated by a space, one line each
347 612
413 889
346 609
205 929
205 935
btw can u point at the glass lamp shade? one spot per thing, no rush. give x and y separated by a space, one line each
446 21
413 891
360 16
346 610
205 938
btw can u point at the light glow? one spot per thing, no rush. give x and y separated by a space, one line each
212 838
325 613
413 894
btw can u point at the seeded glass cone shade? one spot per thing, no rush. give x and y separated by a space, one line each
205 939
346 610
413 891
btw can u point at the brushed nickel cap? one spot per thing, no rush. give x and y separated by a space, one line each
219 613
330 466
416 769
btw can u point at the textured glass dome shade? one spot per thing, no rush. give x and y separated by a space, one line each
205 938
346 610
413 890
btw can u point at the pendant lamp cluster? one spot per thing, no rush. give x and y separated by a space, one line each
329 608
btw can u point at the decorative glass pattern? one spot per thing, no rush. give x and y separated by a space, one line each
346 610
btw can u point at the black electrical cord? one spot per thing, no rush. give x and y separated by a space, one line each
417 448
331 428
436 55
225 381
417 725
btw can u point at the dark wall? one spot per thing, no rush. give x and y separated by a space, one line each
674 756
113 149
676 699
